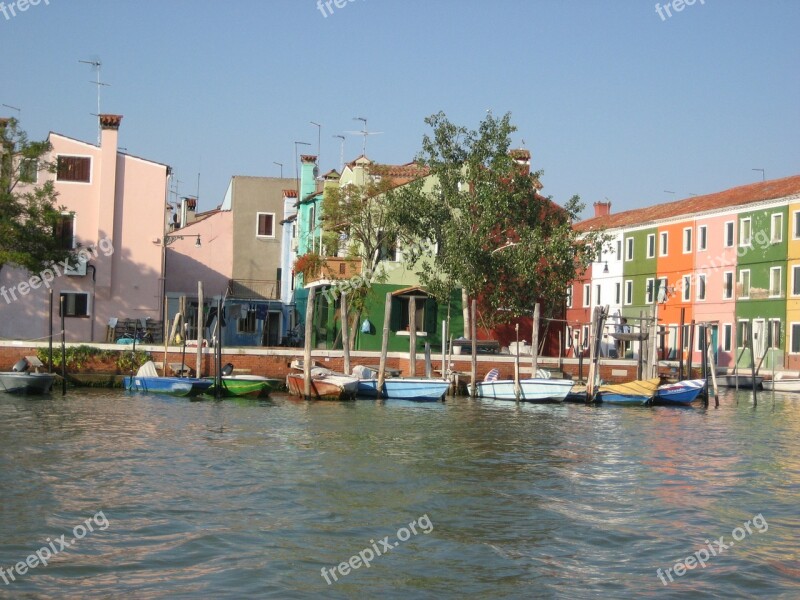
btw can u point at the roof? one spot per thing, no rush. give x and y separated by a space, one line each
733 197
290 193
400 174
416 290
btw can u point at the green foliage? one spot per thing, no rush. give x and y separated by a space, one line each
79 356
496 236
28 212
131 361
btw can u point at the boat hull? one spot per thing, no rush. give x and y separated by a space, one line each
250 386
329 387
745 381
782 385
682 392
531 390
418 390
34 384
634 392
174 386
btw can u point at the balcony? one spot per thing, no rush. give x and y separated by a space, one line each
335 268
254 289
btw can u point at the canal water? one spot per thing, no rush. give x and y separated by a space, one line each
159 497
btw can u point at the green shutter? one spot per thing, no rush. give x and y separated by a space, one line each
397 309
431 316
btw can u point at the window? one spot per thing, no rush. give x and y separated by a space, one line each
775 283
661 290
585 335
741 333
686 332
796 227
649 291
727 285
29 170
687 240
569 296
587 295
745 231
312 218
729 234
388 247
727 334
617 292
265 226
702 237
74 168
597 294
629 248
651 245
774 333
776 228
425 315
294 230
795 338
247 322
629 292
701 287
744 283
664 237
64 232
687 288
76 304
619 249
796 280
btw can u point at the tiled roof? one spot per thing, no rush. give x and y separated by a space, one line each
399 174
738 196
290 193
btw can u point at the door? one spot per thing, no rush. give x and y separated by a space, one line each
715 341
759 340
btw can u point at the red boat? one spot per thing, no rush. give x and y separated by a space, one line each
325 385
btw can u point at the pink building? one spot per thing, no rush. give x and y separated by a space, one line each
114 208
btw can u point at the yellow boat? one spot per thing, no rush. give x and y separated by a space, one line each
640 391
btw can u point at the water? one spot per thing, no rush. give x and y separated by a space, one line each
239 499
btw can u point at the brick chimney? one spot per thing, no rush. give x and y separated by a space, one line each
602 209
522 158
104 176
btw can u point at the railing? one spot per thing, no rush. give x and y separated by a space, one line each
336 268
254 289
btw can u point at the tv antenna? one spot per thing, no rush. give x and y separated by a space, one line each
341 153
96 64
363 132
763 174
19 110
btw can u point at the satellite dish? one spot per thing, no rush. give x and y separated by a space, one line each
316 171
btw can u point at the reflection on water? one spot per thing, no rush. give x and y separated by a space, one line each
238 498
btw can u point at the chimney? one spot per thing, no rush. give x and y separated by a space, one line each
602 209
188 210
104 176
522 158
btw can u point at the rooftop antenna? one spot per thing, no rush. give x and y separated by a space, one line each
19 110
669 192
319 139
762 174
96 64
341 153
363 132
280 165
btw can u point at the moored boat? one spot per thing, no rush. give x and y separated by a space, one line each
21 381
745 382
253 386
419 389
682 392
639 391
148 380
531 390
782 384
325 385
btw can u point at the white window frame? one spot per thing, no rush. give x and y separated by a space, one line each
587 295
701 287
792 325
628 249
795 279
88 314
741 282
662 284
725 276
628 299
776 228
618 293
651 245
687 288
727 337
258 219
687 240
67 181
772 272
729 226
569 296
702 238
598 294
796 225
649 290
663 243
746 242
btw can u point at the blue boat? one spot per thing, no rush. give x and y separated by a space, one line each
681 393
148 380
531 390
418 389
640 391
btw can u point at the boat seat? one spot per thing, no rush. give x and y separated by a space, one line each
179 369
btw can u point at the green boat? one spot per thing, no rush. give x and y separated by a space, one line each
252 386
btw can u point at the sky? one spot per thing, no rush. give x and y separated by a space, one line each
625 100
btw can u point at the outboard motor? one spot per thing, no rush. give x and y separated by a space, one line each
227 369
21 365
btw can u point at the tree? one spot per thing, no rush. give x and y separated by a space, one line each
494 234
29 217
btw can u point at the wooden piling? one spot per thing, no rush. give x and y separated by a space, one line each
307 343
412 336
474 335
199 360
535 340
345 333
387 315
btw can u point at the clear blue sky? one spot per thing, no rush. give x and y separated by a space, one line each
612 100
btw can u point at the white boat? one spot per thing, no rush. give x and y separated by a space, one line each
782 384
22 381
531 390
325 384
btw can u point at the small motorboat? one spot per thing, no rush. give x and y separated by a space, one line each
639 391
418 389
782 384
531 390
20 380
252 386
325 385
681 393
739 380
147 379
